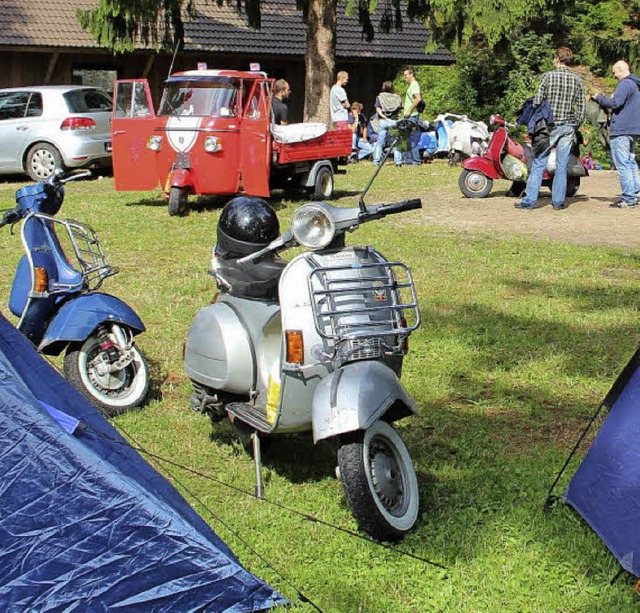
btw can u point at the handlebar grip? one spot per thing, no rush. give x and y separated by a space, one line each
11 216
400 207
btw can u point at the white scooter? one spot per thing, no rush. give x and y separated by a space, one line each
467 138
315 344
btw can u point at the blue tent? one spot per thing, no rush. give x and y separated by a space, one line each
606 488
85 522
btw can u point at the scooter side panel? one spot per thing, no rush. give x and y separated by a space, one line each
354 396
79 317
218 353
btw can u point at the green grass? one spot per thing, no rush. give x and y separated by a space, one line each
519 343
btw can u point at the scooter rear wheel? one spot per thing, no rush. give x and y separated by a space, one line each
474 184
573 184
111 393
380 481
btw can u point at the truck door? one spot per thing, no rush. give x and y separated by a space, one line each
255 139
132 124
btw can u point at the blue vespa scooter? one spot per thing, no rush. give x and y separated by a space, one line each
55 295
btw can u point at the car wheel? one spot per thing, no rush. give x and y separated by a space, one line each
42 161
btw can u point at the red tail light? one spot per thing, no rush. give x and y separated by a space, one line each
78 123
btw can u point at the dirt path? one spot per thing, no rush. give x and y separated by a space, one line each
588 220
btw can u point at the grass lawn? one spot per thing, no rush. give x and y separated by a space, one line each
520 342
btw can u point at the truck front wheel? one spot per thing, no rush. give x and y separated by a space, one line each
178 201
323 185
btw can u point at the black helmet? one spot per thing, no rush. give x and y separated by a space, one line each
246 225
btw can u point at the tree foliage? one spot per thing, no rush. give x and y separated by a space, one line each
120 24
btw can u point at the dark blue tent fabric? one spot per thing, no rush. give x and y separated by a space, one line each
86 523
606 488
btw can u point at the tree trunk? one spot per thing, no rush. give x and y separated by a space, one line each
320 59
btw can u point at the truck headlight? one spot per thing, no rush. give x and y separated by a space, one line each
212 144
154 143
312 226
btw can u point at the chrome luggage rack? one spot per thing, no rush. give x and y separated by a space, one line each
88 251
366 309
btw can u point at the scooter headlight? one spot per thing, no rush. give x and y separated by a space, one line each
312 227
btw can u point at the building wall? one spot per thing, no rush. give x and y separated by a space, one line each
25 67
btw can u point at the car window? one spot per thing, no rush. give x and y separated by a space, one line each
131 100
13 105
34 108
87 101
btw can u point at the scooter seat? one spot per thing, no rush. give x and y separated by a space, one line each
253 280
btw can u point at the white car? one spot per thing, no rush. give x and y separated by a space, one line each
54 126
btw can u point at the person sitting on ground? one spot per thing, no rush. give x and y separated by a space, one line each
358 124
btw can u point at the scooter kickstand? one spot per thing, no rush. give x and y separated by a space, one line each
257 458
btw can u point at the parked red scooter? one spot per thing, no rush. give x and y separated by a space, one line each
506 158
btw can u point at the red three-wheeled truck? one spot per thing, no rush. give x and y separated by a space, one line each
213 135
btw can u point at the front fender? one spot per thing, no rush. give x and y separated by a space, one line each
482 165
79 317
356 395
181 177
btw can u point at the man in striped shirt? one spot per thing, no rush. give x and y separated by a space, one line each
565 93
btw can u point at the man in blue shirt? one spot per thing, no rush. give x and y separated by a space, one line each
624 132
565 94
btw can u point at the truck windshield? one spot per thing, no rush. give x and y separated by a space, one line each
199 98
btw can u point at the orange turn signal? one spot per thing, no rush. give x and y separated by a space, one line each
295 346
41 280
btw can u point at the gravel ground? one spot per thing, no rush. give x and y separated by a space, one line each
588 220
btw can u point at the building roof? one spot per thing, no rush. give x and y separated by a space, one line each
53 24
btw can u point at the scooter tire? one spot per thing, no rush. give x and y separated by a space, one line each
112 394
474 184
178 202
573 185
379 481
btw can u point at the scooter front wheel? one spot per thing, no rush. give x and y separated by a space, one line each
379 480
474 184
178 201
111 390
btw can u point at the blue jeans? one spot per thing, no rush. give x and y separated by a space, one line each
361 146
562 138
412 156
623 153
383 133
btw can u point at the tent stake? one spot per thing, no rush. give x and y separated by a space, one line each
257 457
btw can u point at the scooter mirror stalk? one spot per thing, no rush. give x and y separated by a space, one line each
361 204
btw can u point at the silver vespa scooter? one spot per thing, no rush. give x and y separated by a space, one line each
315 344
